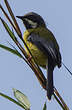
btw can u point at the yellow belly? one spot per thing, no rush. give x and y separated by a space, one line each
37 54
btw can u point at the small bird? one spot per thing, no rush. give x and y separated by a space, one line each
43 46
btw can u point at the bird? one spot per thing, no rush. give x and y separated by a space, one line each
43 46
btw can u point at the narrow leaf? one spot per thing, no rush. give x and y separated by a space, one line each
8 30
22 98
11 99
13 17
6 15
45 107
11 50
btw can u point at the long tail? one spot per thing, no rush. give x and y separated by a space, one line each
50 89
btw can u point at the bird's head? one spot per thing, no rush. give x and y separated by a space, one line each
32 20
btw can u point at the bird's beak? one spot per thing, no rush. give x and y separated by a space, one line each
24 20
20 17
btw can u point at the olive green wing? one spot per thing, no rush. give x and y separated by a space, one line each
45 46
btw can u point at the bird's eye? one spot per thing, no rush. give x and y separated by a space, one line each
31 23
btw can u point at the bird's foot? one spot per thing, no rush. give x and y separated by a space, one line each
29 58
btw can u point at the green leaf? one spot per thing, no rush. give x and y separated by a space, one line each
11 50
8 30
12 100
22 98
45 107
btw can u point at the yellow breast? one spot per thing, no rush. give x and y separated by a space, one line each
37 54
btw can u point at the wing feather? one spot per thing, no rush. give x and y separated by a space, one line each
46 46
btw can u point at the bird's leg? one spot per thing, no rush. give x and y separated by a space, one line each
29 58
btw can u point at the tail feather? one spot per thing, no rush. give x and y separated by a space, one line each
50 87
